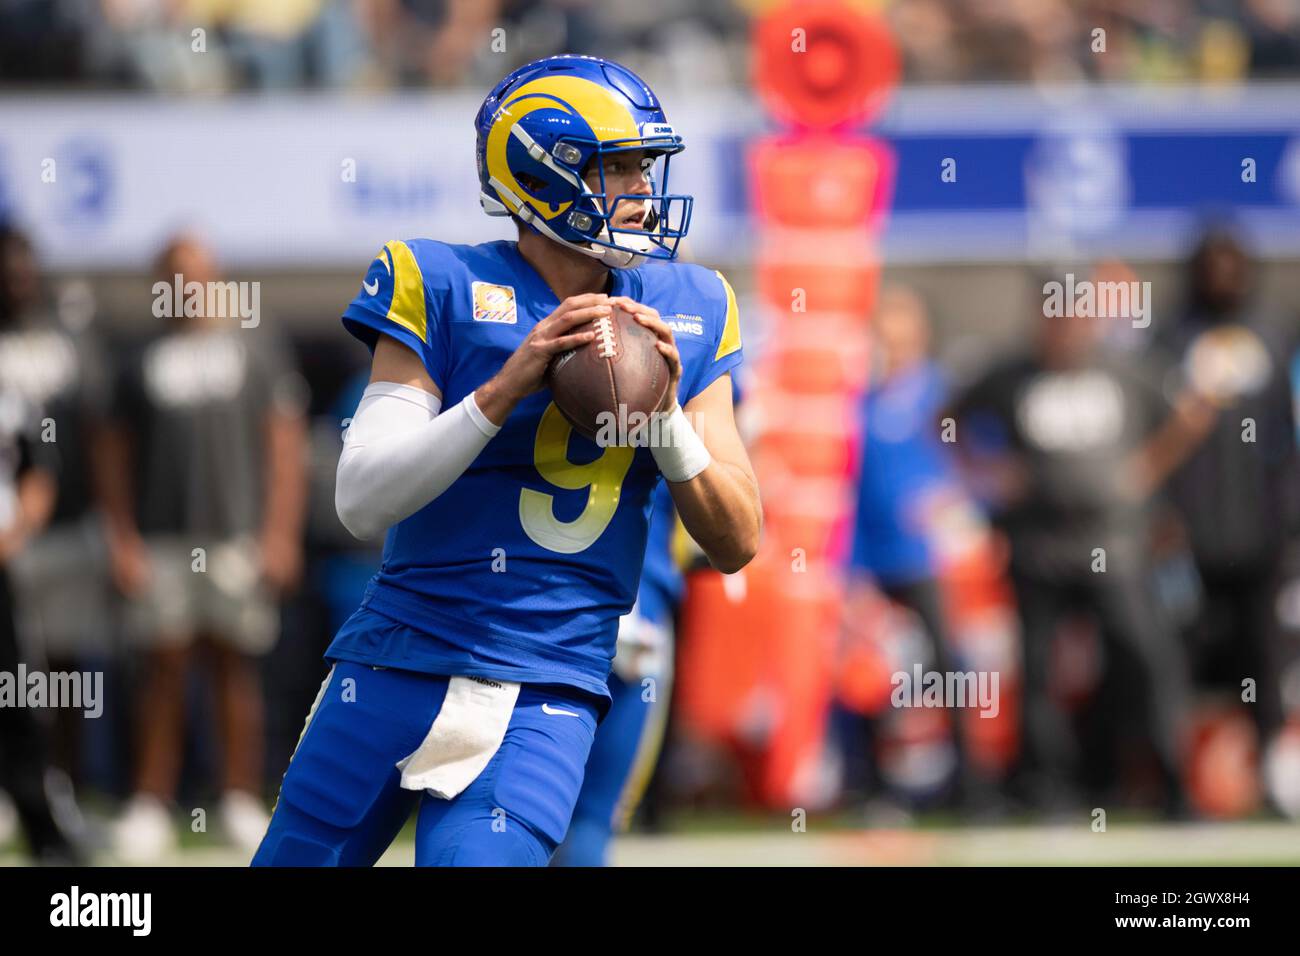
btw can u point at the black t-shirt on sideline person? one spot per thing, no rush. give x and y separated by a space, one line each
1075 430
196 402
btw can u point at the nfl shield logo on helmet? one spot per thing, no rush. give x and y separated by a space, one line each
494 303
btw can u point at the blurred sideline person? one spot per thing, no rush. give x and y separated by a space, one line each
629 739
1067 445
1238 492
202 477
906 481
27 492
60 580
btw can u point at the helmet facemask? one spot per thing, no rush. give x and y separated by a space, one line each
667 215
587 226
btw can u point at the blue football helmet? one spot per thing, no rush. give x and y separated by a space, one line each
539 130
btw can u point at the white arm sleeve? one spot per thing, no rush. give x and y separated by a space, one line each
399 454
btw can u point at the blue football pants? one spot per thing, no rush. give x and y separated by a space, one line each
341 804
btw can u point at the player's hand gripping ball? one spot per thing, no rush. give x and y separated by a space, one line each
609 388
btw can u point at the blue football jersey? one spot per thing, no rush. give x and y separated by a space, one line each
521 569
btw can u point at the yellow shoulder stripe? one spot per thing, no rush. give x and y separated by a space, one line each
730 341
407 308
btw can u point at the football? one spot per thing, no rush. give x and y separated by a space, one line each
608 388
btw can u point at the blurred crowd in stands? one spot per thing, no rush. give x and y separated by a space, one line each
213 46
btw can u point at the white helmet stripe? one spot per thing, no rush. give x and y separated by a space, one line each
543 157
529 215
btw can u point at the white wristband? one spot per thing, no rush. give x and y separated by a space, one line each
679 453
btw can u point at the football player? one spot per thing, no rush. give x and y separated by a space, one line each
471 679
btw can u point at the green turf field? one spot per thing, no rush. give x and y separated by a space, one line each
747 841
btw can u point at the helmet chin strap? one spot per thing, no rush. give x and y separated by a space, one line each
634 246
622 258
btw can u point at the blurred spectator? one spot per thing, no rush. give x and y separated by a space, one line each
925 31
157 45
42 42
1273 36
1238 493
60 579
27 491
202 479
293 43
438 40
1066 445
906 482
